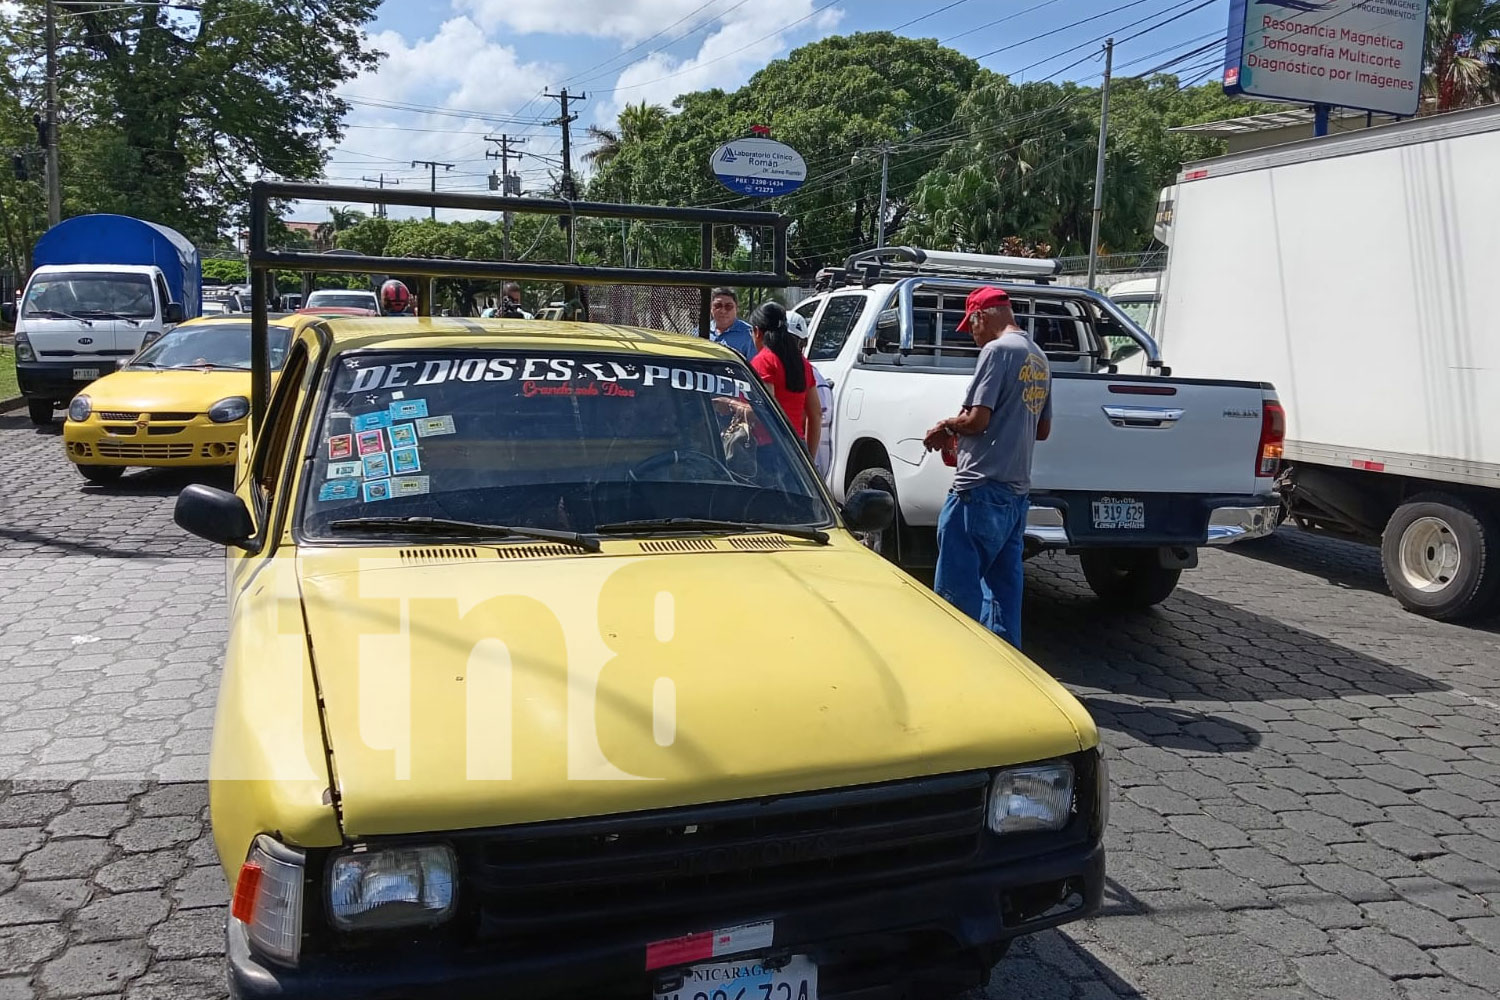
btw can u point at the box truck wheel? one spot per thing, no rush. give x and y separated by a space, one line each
1441 556
887 542
40 411
1128 579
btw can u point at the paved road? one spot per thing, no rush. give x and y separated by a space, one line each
1306 780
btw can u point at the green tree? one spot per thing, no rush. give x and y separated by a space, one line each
1463 53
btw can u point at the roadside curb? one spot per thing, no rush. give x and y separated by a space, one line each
14 403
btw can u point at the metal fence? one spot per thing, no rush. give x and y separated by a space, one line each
1146 260
654 307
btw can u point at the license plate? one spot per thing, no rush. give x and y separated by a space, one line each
85 373
747 979
1119 513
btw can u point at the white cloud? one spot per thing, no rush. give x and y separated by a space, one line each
627 20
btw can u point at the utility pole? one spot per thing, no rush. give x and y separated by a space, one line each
504 156
54 182
380 208
434 165
1109 65
884 149
569 188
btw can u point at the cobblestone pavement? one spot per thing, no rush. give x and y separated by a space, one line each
1306 780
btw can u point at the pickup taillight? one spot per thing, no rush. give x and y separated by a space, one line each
1272 438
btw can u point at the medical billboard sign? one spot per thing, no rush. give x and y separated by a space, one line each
1362 54
761 168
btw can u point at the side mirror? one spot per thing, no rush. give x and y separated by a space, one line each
216 515
8 312
172 313
869 511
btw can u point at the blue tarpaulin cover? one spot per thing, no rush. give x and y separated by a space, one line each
119 239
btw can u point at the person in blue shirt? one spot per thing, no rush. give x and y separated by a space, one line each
728 329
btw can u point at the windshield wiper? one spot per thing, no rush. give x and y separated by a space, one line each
709 525
101 314
467 529
65 315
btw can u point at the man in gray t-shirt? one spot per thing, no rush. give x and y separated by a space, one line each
1007 409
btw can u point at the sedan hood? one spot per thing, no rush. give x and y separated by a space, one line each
179 390
498 690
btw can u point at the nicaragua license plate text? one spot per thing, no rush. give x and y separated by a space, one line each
747 979
89 373
1119 513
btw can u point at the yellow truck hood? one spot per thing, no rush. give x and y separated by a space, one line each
177 390
498 690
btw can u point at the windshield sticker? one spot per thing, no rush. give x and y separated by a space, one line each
370 421
411 486
431 427
405 460
404 435
378 490
407 409
554 375
371 442
377 466
339 489
344 470
340 446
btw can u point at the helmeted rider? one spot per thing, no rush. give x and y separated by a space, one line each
395 298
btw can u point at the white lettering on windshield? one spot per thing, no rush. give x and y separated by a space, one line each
479 369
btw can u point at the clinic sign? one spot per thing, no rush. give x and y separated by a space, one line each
758 167
1362 54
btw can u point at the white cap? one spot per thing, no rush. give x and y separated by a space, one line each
797 325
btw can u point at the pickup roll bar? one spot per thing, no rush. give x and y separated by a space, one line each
263 260
867 263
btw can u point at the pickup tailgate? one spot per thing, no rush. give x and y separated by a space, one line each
1151 435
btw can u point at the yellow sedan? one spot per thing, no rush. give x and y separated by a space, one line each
181 402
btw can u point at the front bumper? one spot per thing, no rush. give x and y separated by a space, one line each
1064 520
146 441
54 379
939 933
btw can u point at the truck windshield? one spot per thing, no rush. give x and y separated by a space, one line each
90 293
211 345
559 440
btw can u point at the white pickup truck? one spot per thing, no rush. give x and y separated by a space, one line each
1140 470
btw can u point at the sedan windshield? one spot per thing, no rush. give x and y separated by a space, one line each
211 345
562 441
90 293
343 300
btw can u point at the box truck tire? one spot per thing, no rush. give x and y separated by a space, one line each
1441 556
40 411
1128 579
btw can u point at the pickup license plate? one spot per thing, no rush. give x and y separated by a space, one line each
747 979
85 373
1119 514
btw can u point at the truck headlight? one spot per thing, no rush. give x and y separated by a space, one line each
23 348
80 408
230 409
400 887
268 899
1035 797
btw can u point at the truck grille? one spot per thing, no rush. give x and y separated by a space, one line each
720 858
126 449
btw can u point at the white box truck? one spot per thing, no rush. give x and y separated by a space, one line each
1358 273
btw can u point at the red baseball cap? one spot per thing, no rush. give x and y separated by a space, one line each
981 298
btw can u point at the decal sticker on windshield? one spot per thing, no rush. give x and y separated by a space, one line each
371 442
340 446
405 460
548 376
370 421
378 490
377 466
404 435
411 486
339 489
430 427
344 470
407 409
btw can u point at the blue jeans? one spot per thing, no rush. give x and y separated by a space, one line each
981 539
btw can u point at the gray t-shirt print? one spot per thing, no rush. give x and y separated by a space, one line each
1013 380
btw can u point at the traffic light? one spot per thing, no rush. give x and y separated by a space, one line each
18 162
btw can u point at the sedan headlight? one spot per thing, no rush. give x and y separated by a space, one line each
227 411
80 408
1035 797
401 887
23 348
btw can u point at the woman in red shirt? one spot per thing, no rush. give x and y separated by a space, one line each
780 364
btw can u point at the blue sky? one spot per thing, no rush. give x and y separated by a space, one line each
460 68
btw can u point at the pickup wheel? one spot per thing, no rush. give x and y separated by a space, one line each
887 542
1128 579
40 411
1441 556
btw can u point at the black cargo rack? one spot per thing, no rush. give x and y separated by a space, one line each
867 267
263 260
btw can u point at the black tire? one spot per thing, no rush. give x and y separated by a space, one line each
40 411
1441 556
887 542
102 474
1128 579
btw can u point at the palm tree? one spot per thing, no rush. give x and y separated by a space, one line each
1463 53
636 123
